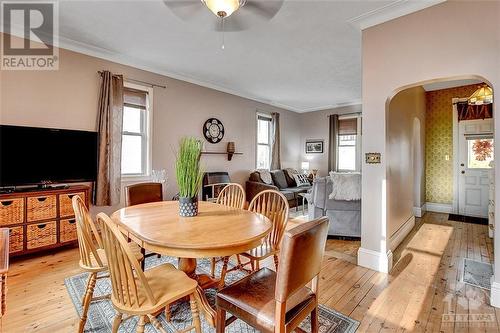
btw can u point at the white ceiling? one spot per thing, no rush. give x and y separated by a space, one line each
308 57
449 84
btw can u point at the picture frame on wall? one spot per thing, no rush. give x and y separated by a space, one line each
314 146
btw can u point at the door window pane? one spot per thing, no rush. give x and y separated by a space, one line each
479 153
131 154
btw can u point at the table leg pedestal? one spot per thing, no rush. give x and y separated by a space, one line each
205 281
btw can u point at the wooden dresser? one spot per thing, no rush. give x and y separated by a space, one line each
40 220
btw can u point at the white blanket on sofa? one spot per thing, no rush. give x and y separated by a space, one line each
345 186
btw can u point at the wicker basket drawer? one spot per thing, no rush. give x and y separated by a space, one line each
67 230
11 211
65 204
41 234
41 208
16 238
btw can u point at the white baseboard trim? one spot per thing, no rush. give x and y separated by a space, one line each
378 261
495 293
419 211
402 232
438 207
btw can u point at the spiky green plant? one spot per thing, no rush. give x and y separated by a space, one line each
187 167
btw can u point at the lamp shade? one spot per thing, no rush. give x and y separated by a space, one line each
305 165
223 8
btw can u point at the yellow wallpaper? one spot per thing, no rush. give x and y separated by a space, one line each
439 142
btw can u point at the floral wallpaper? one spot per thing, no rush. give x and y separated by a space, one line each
439 142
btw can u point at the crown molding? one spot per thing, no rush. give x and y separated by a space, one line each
391 11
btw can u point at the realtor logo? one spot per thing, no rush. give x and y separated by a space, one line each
29 40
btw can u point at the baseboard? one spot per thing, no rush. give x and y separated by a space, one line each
378 261
495 293
419 211
402 232
439 207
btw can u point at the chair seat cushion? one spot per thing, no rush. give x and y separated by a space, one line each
252 299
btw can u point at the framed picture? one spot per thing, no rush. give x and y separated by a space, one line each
314 146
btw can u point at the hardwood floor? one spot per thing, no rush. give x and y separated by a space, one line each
423 286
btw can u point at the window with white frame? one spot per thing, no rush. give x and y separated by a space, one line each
263 142
349 144
135 133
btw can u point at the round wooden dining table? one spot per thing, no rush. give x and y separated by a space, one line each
217 231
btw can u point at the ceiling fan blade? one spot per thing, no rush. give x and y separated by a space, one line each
185 9
268 9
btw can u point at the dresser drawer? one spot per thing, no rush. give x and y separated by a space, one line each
65 204
16 238
41 208
67 230
41 234
11 211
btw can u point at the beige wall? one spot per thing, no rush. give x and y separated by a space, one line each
67 98
405 156
409 51
315 125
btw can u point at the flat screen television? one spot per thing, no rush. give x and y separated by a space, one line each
32 155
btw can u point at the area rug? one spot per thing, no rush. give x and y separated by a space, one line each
468 219
477 274
101 313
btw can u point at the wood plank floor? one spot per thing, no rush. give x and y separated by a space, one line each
423 286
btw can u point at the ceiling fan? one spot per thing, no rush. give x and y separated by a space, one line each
232 15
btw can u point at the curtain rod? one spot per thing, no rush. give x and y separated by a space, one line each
345 114
139 81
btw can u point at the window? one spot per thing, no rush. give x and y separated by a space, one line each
479 153
263 142
135 132
349 144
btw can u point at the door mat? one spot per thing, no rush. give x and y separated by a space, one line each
467 219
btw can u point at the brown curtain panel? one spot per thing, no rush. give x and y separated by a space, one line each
471 112
275 152
332 142
109 128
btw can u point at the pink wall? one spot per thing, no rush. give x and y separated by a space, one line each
453 39
67 98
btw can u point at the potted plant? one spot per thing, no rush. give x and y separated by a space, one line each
189 175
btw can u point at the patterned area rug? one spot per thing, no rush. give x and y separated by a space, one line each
101 313
477 274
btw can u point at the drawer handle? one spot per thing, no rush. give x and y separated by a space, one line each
42 199
7 203
41 226
72 221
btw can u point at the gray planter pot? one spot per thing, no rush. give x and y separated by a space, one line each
188 207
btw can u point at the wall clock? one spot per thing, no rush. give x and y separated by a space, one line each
213 130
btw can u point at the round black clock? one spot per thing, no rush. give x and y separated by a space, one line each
213 130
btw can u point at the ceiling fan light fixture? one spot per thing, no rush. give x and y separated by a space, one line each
483 95
223 8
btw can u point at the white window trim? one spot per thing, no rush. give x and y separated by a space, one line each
149 134
359 125
265 115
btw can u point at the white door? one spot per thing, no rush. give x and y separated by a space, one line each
475 152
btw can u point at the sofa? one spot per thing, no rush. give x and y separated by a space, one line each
344 216
281 181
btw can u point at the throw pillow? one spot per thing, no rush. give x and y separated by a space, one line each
279 179
289 172
265 176
301 180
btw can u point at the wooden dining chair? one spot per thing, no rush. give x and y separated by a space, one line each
92 256
232 195
138 293
273 205
141 193
279 302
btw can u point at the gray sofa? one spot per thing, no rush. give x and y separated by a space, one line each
344 216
